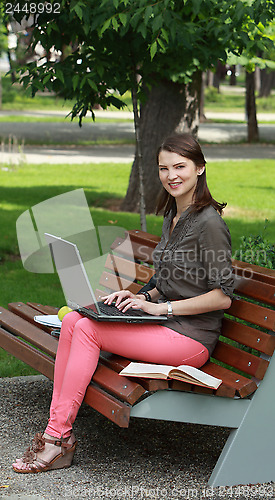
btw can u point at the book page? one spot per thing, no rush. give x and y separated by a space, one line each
197 375
48 320
183 372
142 369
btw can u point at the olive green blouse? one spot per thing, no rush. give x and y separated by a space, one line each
193 260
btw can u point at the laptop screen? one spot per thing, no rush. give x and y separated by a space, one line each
71 271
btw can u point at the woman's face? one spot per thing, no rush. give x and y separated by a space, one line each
178 176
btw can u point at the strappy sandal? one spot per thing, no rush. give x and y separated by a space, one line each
62 460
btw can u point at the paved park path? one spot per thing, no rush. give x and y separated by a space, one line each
218 136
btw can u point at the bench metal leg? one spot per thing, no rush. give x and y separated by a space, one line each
248 456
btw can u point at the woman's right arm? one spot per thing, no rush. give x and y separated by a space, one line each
154 294
121 295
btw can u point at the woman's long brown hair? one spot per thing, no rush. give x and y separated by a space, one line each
187 146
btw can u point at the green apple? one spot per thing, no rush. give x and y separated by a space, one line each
63 311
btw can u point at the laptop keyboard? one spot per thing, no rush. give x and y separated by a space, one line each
114 311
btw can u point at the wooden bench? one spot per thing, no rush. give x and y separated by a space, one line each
243 359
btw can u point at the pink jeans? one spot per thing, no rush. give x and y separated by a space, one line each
80 342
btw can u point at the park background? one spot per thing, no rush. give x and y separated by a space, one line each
44 154
242 174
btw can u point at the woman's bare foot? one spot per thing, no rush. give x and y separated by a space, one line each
47 452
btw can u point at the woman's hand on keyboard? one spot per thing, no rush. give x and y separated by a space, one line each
124 300
153 308
116 298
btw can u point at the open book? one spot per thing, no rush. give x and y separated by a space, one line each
184 373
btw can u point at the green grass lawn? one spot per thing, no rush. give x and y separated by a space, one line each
232 99
229 98
247 186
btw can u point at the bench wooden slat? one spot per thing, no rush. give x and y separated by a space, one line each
27 312
116 411
26 330
114 283
129 269
147 239
43 309
223 390
27 353
242 385
252 313
117 363
122 387
253 271
99 294
241 360
246 335
263 292
139 251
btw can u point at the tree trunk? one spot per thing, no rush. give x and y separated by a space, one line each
139 162
191 118
219 75
202 117
159 117
267 82
250 104
233 79
257 79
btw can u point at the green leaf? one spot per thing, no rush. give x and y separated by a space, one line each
75 81
86 28
114 23
153 50
142 29
270 64
46 78
161 43
78 11
100 70
147 14
93 85
83 81
105 26
165 35
122 18
157 22
59 75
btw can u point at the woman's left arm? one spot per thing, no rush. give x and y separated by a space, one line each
210 301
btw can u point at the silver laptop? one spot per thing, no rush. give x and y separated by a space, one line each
78 290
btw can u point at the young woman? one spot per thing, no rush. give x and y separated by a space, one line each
194 285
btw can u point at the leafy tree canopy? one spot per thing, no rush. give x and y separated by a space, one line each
3 33
105 43
267 58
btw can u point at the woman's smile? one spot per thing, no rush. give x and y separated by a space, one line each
174 185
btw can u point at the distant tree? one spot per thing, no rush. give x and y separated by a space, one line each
157 49
3 46
267 74
250 107
267 82
250 64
